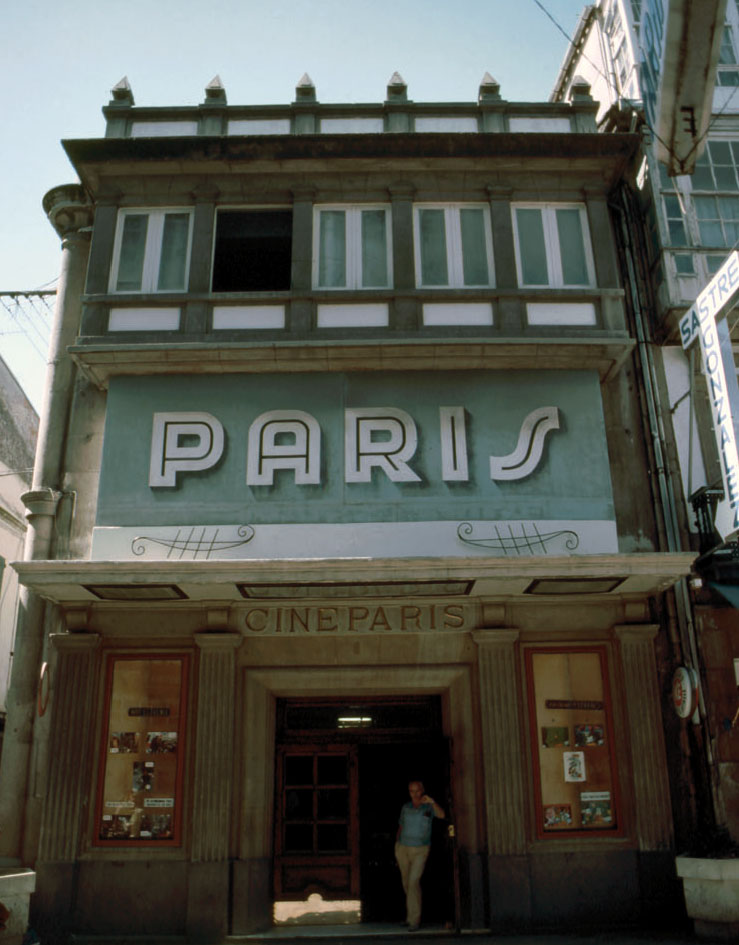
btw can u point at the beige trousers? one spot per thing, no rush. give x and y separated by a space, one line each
411 861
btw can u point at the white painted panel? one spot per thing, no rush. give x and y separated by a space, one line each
259 126
163 129
353 316
357 126
524 538
677 376
439 123
558 125
144 319
560 313
458 313
248 316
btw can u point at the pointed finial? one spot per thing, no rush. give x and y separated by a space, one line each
489 90
121 92
397 90
215 92
580 90
305 91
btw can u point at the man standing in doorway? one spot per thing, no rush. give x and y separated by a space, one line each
412 846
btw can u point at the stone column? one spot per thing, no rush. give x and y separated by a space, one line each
406 314
504 773
207 905
67 794
659 885
648 761
71 216
511 313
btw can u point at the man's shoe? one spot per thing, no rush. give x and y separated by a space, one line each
414 928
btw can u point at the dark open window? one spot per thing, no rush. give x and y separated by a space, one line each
253 250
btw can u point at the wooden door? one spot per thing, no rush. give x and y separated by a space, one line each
316 822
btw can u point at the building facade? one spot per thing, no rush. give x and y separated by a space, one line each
360 453
692 230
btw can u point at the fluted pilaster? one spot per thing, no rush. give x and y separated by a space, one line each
651 788
70 738
214 746
501 726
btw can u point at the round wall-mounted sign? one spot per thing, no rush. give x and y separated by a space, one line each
683 692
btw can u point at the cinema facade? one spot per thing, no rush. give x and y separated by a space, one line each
354 487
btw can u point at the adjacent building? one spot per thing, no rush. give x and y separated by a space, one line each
350 404
692 223
18 429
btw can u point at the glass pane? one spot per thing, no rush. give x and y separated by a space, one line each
332 838
374 249
705 208
684 264
298 838
572 248
174 252
332 769
333 804
702 177
711 234
142 762
332 249
720 152
432 237
572 730
298 769
474 249
725 178
298 804
532 247
131 259
677 233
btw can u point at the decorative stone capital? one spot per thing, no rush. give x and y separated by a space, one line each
493 615
502 637
636 632
77 619
41 502
210 641
75 642
68 208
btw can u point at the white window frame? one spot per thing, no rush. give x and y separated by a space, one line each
453 231
152 250
353 218
551 242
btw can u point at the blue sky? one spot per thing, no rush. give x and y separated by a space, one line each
62 57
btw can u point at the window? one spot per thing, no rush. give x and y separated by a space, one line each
454 246
718 220
727 72
553 245
151 251
716 169
572 740
675 223
253 250
142 758
352 248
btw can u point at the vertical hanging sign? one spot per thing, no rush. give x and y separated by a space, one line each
718 364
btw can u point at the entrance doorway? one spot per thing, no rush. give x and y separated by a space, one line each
342 775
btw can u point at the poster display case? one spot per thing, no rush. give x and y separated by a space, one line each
572 737
141 758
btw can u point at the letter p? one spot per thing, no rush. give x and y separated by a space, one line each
183 442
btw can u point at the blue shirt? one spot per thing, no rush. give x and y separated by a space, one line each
415 824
